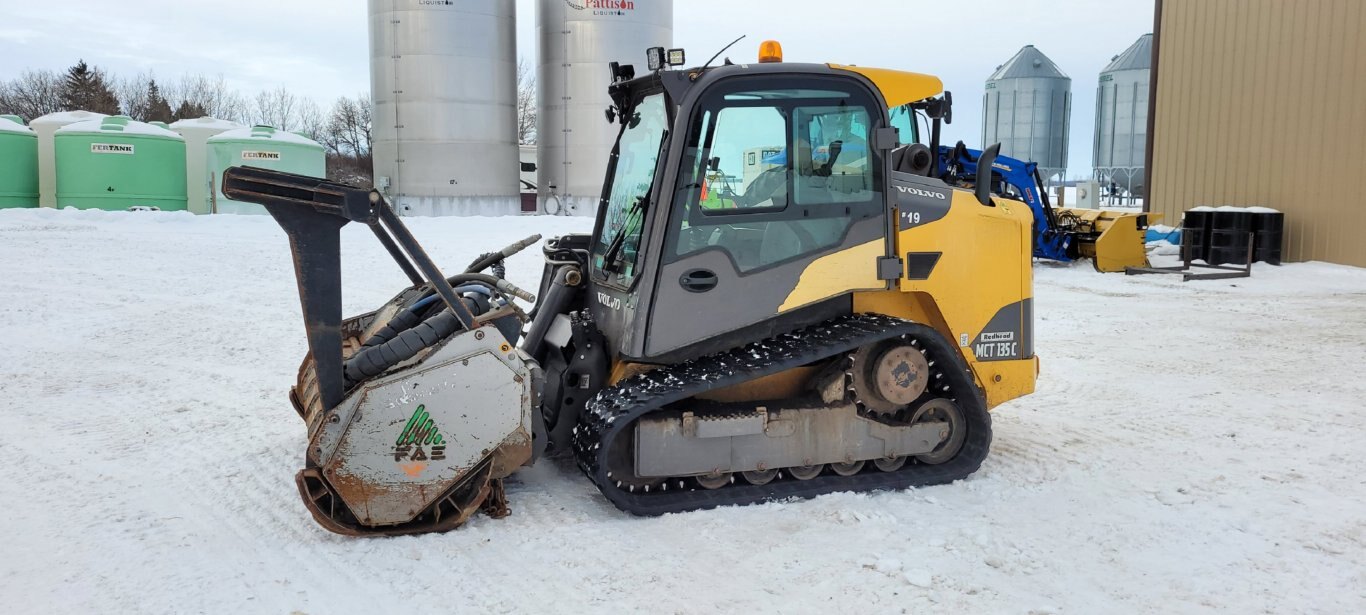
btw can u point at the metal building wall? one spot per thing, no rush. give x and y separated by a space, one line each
1260 102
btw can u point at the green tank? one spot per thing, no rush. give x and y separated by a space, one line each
265 147
18 163
116 164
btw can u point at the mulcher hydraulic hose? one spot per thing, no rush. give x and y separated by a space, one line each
485 260
406 319
406 334
375 359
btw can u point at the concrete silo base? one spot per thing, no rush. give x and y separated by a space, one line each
561 205
457 205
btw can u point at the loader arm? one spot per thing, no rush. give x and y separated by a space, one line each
312 213
1113 240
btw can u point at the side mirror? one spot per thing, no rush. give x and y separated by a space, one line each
714 164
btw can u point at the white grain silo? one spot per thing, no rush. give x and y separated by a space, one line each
1122 118
443 80
1027 108
578 38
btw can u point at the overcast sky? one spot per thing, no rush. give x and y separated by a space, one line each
319 47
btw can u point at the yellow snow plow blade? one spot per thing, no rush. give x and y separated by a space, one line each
1112 239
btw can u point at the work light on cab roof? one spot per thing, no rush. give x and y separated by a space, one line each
657 58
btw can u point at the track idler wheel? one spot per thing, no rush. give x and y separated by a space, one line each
715 481
847 469
940 409
889 465
760 477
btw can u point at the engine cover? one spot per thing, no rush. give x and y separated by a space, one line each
401 441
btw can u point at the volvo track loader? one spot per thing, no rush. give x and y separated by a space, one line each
778 300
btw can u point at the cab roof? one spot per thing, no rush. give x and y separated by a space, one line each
898 87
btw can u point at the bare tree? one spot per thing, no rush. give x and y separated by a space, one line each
310 120
526 104
133 95
198 96
278 108
32 94
347 138
348 127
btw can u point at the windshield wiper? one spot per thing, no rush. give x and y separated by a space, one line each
610 262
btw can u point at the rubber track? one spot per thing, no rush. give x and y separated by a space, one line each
613 412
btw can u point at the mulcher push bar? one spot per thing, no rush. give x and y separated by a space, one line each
312 211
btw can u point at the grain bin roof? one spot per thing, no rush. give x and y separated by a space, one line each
1138 56
1026 64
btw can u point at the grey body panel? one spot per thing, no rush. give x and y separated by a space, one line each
477 391
681 317
681 444
1009 335
920 200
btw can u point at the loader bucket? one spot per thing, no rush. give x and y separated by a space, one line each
1113 240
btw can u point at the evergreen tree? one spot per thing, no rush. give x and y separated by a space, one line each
86 88
158 110
189 110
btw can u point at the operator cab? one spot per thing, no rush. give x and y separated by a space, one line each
724 185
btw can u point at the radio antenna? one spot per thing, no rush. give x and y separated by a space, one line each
723 50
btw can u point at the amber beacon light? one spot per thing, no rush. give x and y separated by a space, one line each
770 51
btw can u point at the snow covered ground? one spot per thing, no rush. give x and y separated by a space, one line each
1192 447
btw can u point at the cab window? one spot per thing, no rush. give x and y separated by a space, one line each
903 120
776 169
631 172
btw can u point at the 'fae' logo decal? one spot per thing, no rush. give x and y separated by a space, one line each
420 432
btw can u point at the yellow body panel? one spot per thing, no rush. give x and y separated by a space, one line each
838 273
898 87
986 265
983 268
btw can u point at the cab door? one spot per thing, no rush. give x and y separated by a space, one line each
777 172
